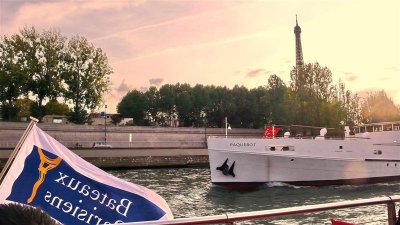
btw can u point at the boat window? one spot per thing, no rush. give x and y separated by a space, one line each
340 147
378 152
396 128
288 148
387 127
378 128
279 148
370 129
362 129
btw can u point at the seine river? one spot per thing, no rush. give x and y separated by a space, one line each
189 193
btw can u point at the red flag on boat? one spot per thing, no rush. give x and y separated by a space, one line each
337 222
270 131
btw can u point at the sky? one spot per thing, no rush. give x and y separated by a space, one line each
225 42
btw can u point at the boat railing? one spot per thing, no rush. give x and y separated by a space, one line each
291 137
232 218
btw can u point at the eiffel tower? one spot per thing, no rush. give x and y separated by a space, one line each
299 51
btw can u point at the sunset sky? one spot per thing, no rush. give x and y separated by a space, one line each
225 42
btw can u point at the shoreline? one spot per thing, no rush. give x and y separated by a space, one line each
132 146
136 158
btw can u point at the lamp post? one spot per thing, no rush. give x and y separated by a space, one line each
105 124
227 127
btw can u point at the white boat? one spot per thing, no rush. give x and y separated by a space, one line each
370 155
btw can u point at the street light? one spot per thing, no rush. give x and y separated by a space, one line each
227 127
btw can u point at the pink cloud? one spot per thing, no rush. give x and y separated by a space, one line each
256 73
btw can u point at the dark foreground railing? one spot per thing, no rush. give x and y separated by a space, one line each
230 219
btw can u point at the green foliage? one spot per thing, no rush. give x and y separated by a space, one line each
275 101
10 112
48 67
37 111
311 99
24 107
134 105
85 74
42 57
54 107
13 79
378 107
316 101
78 116
116 119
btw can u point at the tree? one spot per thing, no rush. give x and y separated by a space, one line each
24 107
13 80
53 107
276 94
200 100
116 119
134 105
152 99
262 107
378 107
85 73
221 106
43 54
184 104
167 105
349 109
312 87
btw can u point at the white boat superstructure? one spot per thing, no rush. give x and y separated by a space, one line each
372 154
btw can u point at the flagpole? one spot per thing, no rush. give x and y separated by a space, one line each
17 148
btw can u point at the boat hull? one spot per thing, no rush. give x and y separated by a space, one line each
252 167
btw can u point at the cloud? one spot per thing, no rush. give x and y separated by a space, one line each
143 89
347 73
122 88
351 78
287 61
385 78
393 68
156 81
257 72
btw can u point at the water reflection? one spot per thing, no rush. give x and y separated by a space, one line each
190 193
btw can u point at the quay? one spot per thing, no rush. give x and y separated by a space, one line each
131 146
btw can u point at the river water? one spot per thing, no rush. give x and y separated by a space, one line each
189 193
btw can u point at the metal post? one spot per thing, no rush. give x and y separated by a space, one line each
105 124
391 213
17 148
205 136
273 131
226 127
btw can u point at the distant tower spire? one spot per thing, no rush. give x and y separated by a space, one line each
299 51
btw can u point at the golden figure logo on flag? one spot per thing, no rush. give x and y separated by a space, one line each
45 165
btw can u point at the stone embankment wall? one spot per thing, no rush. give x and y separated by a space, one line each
132 146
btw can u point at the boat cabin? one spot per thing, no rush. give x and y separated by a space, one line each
377 127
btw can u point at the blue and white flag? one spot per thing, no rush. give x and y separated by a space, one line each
46 174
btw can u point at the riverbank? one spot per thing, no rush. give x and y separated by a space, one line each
136 158
132 146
